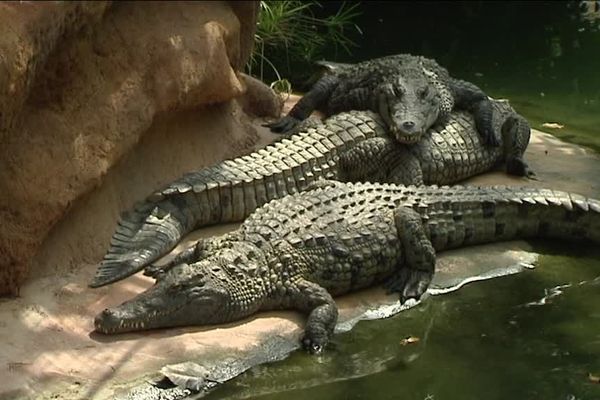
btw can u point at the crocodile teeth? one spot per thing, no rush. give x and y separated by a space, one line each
581 204
566 203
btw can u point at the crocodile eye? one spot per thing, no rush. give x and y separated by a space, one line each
423 92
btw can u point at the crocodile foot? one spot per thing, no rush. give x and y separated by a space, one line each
518 167
153 271
410 283
315 340
284 125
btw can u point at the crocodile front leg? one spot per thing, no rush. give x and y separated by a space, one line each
308 297
314 99
354 99
414 276
469 97
515 136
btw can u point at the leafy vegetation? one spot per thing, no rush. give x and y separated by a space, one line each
289 37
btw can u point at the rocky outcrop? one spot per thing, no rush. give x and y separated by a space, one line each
30 33
84 82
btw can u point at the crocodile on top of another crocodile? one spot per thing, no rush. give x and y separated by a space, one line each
349 146
411 94
299 251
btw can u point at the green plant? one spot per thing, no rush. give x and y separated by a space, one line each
288 33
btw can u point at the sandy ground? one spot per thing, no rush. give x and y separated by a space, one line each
47 339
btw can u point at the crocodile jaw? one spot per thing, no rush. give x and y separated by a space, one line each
177 300
134 315
419 122
407 138
116 320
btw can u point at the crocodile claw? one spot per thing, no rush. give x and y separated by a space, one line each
410 283
531 175
314 345
315 340
153 271
518 167
284 125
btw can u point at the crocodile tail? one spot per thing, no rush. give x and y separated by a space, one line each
156 225
142 236
500 213
226 192
558 215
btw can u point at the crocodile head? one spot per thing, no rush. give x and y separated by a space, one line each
196 294
409 104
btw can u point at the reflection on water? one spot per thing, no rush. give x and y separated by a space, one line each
486 341
531 336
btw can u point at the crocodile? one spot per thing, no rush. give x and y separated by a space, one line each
349 147
411 93
300 251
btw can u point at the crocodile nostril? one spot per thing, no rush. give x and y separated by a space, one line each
408 125
107 312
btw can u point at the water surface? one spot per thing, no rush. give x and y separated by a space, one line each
535 335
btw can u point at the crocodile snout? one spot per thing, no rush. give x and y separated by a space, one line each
103 320
408 126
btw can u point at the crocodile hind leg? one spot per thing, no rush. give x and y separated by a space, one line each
198 251
364 161
314 99
407 172
191 254
469 97
380 159
515 136
414 276
308 297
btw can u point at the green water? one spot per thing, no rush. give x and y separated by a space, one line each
485 341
